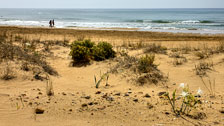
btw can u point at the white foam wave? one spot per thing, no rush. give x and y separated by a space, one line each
190 22
26 23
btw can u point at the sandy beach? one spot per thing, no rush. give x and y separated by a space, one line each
126 98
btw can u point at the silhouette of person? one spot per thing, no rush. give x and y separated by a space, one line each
50 23
53 22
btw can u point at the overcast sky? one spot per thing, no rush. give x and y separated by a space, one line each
111 3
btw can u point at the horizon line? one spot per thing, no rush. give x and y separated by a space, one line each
103 8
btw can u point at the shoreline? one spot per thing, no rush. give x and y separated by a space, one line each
115 35
187 31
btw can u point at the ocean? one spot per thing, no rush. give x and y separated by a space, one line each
168 20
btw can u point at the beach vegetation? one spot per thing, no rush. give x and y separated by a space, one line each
49 87
103 51
139 70
210 86
7 73
183 101
24 53
155 48
81 51
85 51
202 68
146 63
202 54
104 77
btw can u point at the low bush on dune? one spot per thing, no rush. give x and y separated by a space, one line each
85 51
103 51
146 63
81 51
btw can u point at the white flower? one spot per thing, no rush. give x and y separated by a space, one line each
182 85
28 44
199 92
184 94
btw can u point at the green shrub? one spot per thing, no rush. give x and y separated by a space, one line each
103 51
81 51
146 63
84 51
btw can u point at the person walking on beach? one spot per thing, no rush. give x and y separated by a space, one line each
53 22
50 23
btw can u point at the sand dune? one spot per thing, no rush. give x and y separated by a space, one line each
123 101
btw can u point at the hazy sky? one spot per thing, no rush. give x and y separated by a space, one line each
111 3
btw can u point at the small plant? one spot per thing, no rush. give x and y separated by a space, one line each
49 87
146 63
103 77
179 61
188 100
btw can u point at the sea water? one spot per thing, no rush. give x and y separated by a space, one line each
171 20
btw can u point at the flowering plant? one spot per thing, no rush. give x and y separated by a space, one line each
189 101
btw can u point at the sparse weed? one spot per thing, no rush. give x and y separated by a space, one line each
126 62
155 48
202 67
141 70
8 73
185 49
176 55
210 86
220 47
202 54
179 61
103 77
11 52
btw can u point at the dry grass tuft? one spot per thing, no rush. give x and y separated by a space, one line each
139 70
25 53
202 54
203 67
8 73
178 58
155 48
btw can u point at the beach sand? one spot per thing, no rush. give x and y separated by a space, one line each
123 102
